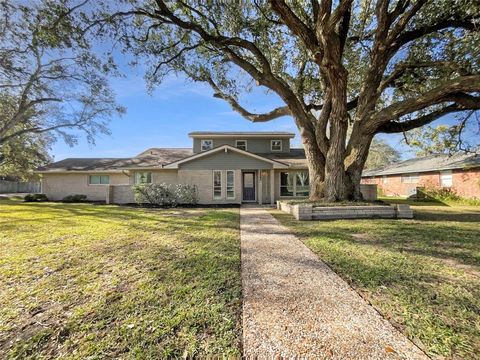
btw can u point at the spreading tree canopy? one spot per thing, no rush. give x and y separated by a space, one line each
377 66
52 82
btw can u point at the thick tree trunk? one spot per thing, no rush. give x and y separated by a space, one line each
316 169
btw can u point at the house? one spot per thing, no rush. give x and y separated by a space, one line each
226 167
460 173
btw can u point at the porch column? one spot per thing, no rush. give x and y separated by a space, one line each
272 187
260 187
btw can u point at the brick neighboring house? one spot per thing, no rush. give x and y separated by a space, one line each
461 173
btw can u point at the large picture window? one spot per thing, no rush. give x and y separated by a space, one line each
206 145
99 179
230 184
143 178
217 184
294 183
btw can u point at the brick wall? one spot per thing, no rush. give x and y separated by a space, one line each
466 183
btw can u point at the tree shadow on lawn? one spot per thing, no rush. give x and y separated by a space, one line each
180 296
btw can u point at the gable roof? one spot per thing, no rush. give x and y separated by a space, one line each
260 134
428 163
226 148
149 159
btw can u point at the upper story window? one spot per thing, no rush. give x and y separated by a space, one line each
241 144
276 145
143 177
410 178
99 180
206 145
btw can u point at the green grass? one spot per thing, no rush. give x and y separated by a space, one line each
421 274
87 281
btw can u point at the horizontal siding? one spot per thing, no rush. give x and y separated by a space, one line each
225 161
255 145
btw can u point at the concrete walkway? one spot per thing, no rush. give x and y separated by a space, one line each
294 306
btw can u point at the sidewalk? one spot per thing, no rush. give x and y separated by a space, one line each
294 306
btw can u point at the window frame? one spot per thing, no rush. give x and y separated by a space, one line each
294 185
410 178
271 145
246 145
232 186
213 184
89 179
141 172
202 141
449 173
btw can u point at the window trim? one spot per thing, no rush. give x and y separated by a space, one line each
139 172
90 183
246 145
213 185
294 190
271 144
226 185
450 174
201 144
407 178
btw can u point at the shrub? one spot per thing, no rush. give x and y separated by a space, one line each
35 197
445 195
75 198
163 194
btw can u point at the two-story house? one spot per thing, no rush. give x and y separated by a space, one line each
226 167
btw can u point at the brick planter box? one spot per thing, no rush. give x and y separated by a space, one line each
310 212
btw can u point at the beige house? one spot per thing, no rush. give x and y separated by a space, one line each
226 167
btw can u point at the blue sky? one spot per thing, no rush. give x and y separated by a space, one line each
165 117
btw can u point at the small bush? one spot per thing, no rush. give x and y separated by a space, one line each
75 198
35 197
169 195
445 195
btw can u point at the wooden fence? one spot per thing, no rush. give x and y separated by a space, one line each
19 187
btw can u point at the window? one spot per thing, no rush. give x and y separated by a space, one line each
241 144
206 145
384 179
217 184
276 145
294 183
230 184
99 179
410 178
143 178
446 178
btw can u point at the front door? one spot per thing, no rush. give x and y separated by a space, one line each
248 186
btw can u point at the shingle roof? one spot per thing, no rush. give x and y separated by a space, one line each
155 157
295 158
428 163
241 133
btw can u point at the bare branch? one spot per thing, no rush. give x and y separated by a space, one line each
274 114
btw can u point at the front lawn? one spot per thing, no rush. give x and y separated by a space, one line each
421 274
90 281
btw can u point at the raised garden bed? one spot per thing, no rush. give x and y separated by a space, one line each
324 211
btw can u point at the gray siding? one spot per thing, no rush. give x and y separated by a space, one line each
225 161
255 145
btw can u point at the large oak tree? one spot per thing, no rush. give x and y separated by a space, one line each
374 66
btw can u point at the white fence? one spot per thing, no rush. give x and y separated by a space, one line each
19 187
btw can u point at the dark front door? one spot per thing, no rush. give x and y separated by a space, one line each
248 186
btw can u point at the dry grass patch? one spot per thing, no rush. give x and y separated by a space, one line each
82 280
422 274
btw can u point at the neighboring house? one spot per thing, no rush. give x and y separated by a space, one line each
460 173
226 167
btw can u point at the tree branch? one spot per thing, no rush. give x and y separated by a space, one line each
448 91
274 114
